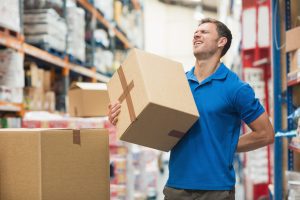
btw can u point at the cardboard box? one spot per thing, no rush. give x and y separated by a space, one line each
34 98
295 60
60 164
37 76
88 100
47 80
292 39
49 101
157 106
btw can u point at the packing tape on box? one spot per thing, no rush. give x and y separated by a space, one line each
126 93
176 134
76 137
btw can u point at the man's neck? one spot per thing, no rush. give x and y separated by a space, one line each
205 68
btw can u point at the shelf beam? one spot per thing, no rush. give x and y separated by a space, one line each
294 148
10 107
19 45
293 78
106 23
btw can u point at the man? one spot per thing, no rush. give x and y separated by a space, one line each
201 163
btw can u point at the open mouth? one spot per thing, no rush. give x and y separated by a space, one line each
197 43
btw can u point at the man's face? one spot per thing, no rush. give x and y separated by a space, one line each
205 42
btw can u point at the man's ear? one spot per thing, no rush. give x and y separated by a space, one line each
222 42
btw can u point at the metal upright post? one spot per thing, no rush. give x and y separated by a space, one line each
289 89
278 185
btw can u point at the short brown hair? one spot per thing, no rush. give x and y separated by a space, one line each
222 30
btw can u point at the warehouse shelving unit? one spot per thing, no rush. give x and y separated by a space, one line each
256 56
283 98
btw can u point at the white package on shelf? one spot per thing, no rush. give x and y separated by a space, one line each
103 60
10 94
45 26
33 4
252 74
11 68
10 14
76 30
106 7
52 42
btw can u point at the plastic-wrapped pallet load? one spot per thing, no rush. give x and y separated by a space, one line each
106 7
293 183
11 76
33 4
76 29
10 14
103 60
45 27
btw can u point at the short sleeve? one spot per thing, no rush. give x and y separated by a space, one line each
245 103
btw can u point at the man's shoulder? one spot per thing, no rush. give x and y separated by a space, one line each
234 82
234 79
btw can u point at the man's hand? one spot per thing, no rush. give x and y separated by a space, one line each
114 111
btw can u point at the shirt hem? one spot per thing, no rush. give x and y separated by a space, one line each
199 187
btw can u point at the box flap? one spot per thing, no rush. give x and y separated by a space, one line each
89 86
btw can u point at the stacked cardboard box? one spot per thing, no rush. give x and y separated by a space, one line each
293 46
88 100
45 27
40 164
11 76
10 14
38 94
76 32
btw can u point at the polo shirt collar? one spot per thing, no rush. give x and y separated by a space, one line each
221 73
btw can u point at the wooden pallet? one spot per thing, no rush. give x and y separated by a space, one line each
12 33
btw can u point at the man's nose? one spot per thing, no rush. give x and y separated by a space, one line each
197 36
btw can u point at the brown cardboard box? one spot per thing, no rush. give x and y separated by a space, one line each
47 81
48 164
34 98
49 101
295 60
88 100
37 76
157 106
292 39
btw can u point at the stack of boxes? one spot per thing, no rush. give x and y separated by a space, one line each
256 172
293 46
119 165
293 185
36 4
45 28
106 7
38 94
76 32
10 14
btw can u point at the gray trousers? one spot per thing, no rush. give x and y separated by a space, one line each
179 194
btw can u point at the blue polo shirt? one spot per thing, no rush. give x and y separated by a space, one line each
203 158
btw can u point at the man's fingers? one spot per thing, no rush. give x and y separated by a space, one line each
114 122
115 114
115 108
